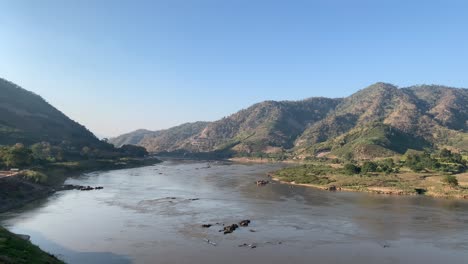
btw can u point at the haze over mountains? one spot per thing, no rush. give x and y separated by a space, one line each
380 120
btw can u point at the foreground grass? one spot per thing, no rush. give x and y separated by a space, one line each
404 182
18 251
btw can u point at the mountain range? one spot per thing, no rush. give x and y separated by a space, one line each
378 121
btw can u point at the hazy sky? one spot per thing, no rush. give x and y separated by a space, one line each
116 66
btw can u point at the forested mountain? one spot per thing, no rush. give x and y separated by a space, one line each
34 132
377 121
27 118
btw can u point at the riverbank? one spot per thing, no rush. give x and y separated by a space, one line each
401 183
41 181
156 212
38 183
16 249
262 160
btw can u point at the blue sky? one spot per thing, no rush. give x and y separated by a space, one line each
116 66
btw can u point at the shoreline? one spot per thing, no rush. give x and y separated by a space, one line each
33 191
264 161
377 190
17 191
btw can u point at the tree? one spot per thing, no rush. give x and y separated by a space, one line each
18 156
369 166
445 153
351 169
450 180
86 151
133 150
419 162
41 151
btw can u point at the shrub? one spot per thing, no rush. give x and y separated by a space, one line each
450 180
351 169
419 162
35 176
369 166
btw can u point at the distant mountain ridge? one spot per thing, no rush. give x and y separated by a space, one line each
380 120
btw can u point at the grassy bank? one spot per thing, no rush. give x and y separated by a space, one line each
16 250
403 182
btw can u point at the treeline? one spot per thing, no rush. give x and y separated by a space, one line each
442 161
20 156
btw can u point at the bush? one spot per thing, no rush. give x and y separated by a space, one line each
35 176
351 169
17 156
419 162
135 151
369 166
450 180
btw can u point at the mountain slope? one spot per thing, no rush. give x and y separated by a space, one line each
27 118
380 120
133 138
264 127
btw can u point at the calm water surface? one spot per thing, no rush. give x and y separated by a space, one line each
136 219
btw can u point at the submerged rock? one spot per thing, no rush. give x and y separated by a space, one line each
229 229
210 242
262 182
244 223
248 245
67 187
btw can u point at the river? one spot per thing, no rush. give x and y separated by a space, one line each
154 215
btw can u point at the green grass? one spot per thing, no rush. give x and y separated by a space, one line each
15 250
404 182
306 174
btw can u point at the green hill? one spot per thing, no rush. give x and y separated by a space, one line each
27 118
33 133
14 249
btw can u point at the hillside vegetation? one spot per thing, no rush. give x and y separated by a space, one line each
440 174
40 147
378 121
33 133
27 118
16 250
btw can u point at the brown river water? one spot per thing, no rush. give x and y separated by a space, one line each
152 215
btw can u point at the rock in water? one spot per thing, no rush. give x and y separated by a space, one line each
244 223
